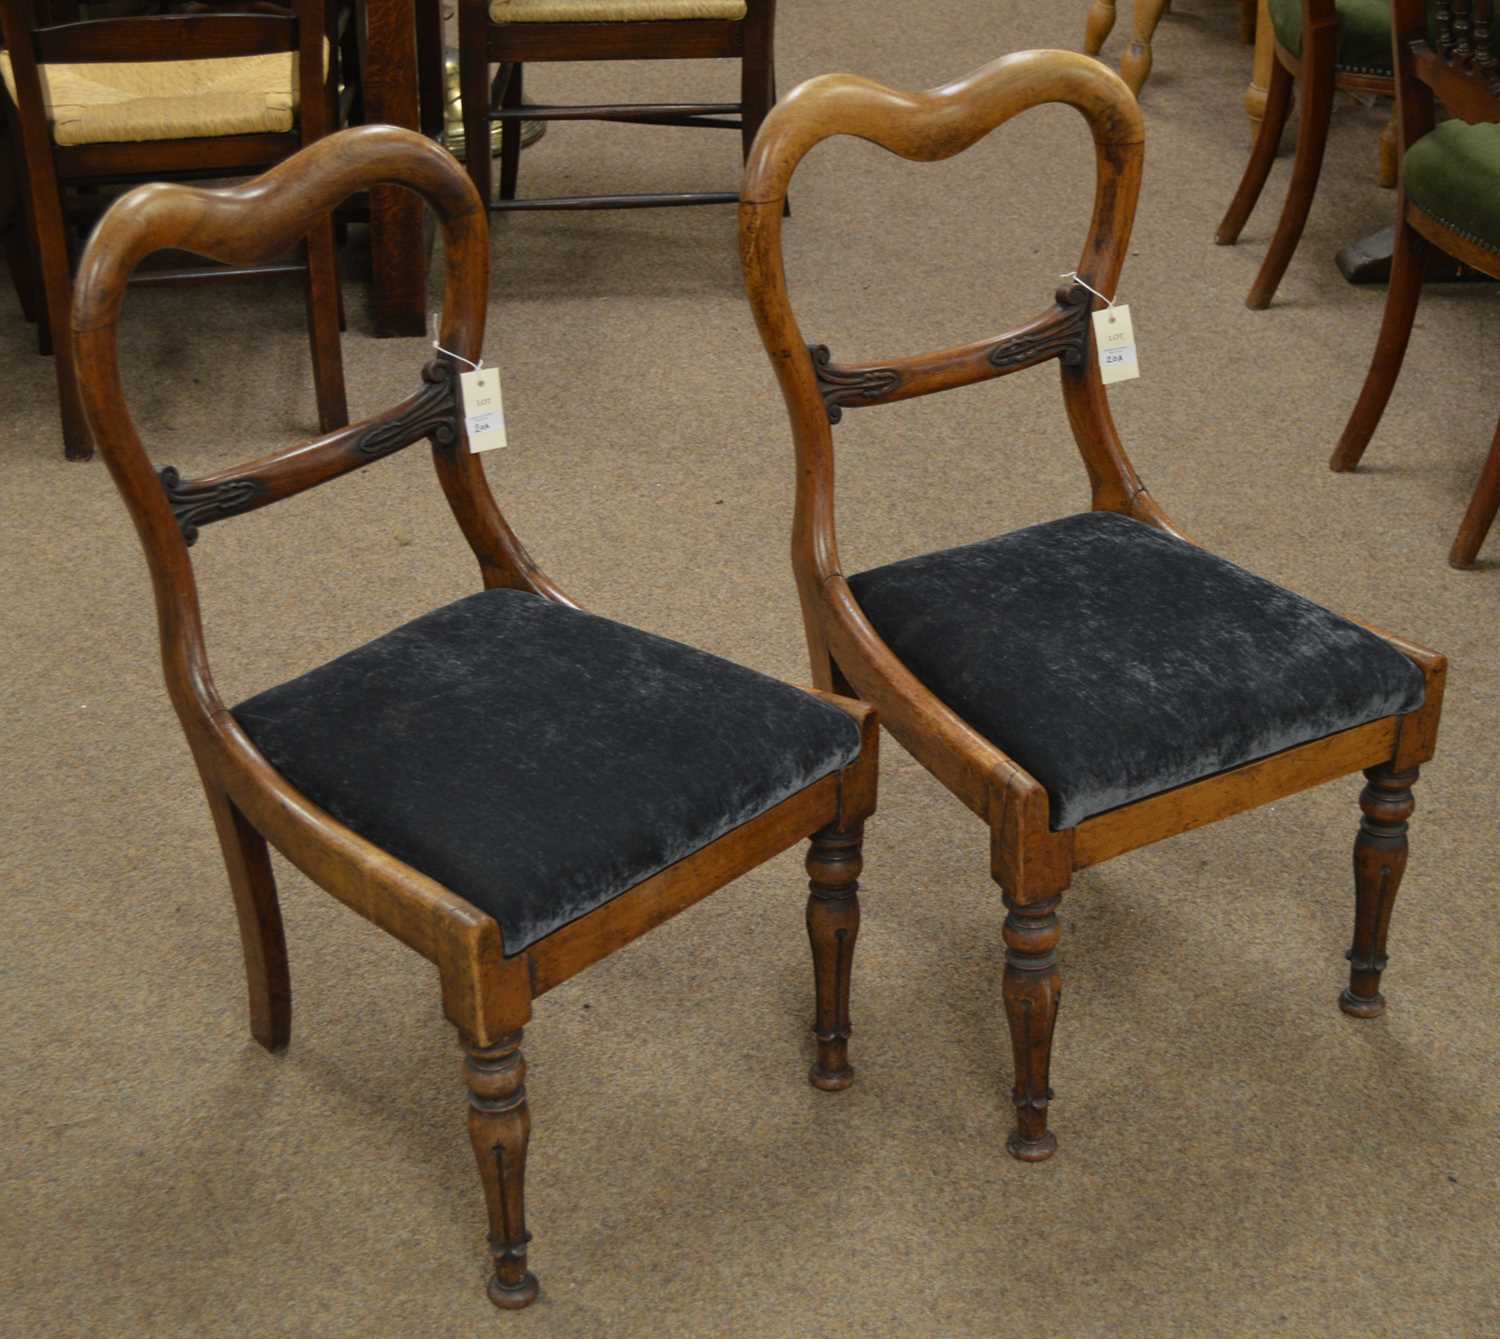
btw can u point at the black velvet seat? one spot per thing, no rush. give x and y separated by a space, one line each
1113 661
539 761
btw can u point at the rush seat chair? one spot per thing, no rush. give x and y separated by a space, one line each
141 98
521 33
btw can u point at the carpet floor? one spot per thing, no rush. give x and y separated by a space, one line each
1236 1156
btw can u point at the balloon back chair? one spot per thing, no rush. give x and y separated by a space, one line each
1095 683
510 786
1450 186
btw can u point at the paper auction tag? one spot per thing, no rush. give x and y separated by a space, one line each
1115 339
484 412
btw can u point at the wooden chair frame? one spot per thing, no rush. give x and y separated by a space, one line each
50 167
1032 863
1463 75
1319 77
750 40
486 993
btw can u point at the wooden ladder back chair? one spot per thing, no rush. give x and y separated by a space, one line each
517 33
241 112
1083 685
1321 46
510 786
1450 186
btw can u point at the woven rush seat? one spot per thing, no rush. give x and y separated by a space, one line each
613 11
1364 33
539 761
176 99
1114 662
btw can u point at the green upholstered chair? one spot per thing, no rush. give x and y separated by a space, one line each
1323 45
1450 199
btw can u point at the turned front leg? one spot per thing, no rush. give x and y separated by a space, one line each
1032 989
500 1127
1379 862
833 864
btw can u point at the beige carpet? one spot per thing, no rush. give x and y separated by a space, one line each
1237 1157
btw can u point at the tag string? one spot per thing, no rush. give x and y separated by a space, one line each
432 329
1082 283
458 356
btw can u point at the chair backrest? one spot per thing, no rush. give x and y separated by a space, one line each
247 224
1447 47
201 35
927 127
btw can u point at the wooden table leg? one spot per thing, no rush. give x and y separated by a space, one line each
398 253
1260 70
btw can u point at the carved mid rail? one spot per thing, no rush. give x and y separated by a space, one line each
1062 333
431 413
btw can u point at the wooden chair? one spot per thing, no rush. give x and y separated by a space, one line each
1135 64
1326 45
1095 683
206 94
512 787
1450 182
521 32
13 232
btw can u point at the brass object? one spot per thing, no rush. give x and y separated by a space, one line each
453 115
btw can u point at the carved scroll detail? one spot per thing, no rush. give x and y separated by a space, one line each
1066 340
433 414
195 504
842 388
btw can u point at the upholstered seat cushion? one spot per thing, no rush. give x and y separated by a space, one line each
1113 661
613 11
539 761
167 99
1453 174
1364 45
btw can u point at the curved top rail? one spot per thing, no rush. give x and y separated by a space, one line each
940 122
242 225
265 217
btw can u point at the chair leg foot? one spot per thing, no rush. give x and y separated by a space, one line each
1033 987
1312 139
1278 102
247 861
513 1299
1379 862
1403 293
500 1129
834 861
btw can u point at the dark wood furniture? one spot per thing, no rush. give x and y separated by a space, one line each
1456 65
401 71
1135 64
1093 684
101 156
563 30
368 774
1338 50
